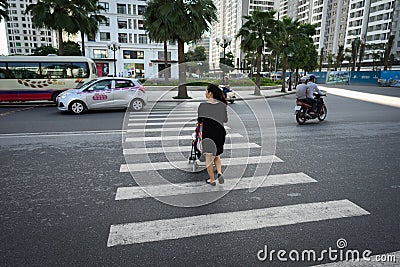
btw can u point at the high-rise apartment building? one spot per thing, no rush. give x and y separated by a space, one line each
22 37
340 22
230 20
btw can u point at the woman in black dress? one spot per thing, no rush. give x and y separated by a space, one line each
213 115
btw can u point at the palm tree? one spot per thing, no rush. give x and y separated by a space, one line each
3 10
339 57
186 21
386 53
87 19
254 34
286 34
55 15
159 26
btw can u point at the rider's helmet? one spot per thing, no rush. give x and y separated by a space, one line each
312 77
304 79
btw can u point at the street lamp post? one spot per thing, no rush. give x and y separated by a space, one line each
226 41
114 46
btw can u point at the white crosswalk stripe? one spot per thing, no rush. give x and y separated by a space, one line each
165 129
170 165
175 149
150 231
186 227
188 118
170 138
124 193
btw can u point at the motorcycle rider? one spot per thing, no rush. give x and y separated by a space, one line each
302 92
225 85
313 88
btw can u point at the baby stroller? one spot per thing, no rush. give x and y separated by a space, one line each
196 151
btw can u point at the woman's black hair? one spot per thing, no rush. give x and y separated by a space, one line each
217 93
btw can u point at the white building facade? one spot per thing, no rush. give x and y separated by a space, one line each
230 20
136 56
22 37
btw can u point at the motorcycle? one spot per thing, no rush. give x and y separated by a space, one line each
301 110
229 94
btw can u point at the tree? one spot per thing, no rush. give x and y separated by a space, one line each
182 21
361 55
44 50
355 45
339 57
4 10
254 34
87 19
71 49
158 22
198 54
56 15
321 59
387 51
286 34
226 63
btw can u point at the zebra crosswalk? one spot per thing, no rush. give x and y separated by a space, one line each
207 224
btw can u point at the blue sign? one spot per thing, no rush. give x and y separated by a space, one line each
365 77
390 78
321 76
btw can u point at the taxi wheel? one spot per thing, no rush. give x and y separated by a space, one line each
137 104
77 107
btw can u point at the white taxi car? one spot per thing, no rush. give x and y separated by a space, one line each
104 93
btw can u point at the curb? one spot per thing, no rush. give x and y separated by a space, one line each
237 99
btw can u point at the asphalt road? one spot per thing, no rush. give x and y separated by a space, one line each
60 175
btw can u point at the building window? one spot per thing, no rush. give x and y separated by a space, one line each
140 25
105 36
100 53
105 23
121 8
122 37
91 37
141 9
106 6
142 39
161 55
122 24
130 54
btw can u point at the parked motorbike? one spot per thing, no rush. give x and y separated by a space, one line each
229 94
301 110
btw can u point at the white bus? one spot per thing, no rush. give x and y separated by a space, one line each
24 78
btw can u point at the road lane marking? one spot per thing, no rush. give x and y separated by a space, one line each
171 118
392 259
367 97
165 129
56 134
170 138
14 111
171 229
166 165
173 149
141 124
163 114
134 192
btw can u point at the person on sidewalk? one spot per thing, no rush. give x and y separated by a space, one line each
213 114
313 88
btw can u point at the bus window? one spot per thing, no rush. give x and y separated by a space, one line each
3 70
23 70
80 70
56 70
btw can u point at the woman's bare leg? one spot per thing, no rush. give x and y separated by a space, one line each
210 168
218 164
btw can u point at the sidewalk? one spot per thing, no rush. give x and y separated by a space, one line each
199 95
